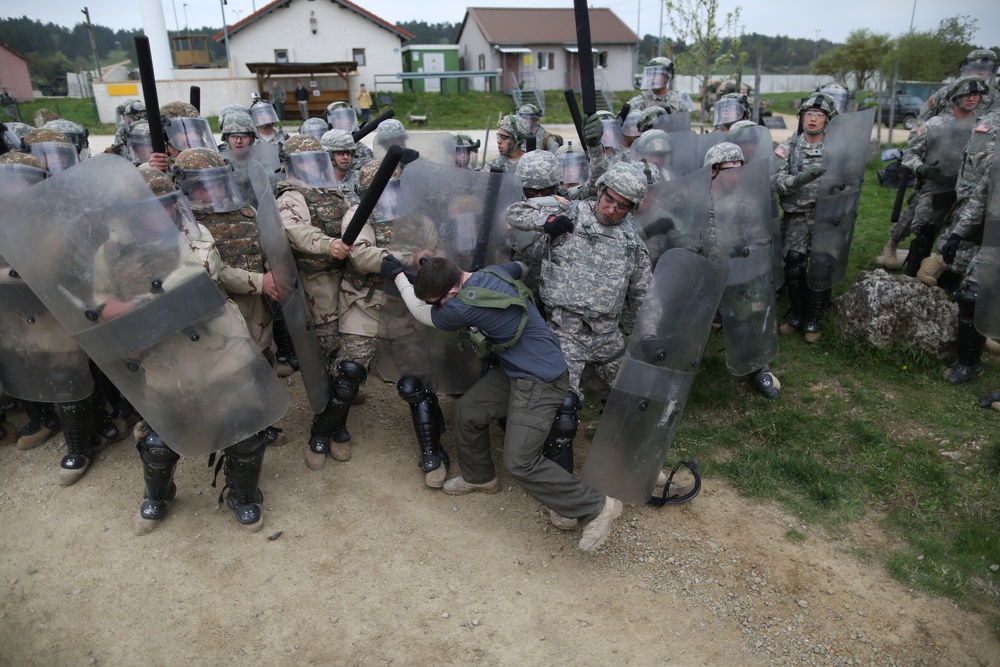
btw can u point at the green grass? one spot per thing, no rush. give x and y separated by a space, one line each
79 111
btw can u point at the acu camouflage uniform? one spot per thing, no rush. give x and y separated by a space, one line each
671 101
590 278
798 204
938 104
501 163
362 156
349 186
312 218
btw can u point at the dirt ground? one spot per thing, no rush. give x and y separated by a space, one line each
361 564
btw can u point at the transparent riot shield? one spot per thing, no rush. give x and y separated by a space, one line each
673 122
455 213
987 316
109 261
39 360
676 154
755 142
292 303
675 214
652 386
437 147
945 145
845 149
741 200
260 151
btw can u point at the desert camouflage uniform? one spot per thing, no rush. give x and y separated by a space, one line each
311 218
671 102
798 204
242 272
591 277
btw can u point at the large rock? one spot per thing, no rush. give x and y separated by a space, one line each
886 310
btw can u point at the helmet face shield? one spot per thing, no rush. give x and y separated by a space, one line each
385 208
184 133
213 190
463 156
611 132
310 170
140 147
263 114
158 220
55 156
655 77
16 178
984 68
728 111
841 97
530 119
630 128
574 167
343 118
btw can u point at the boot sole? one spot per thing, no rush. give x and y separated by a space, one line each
70 476
315 461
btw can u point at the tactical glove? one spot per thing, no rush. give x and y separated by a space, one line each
950 248
391 267
593 131
557 225
808 175
928 171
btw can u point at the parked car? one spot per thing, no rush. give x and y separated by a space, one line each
907 108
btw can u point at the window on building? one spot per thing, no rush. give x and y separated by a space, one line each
482 62
281 55
546 60
359 57
601 60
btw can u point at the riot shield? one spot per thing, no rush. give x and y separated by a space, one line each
109 261
676 154
741 200
755 142
987 316
459 214
945 145
652 386
437 147
39 360
260 151
675 214
293 305
845 149
673 122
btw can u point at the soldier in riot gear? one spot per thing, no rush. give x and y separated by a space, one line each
76 134
730 108
527 387
800 164
981 63
511 133
314 127
656 79
138 143
238 132
934 154
840 93
185 128
544 139
341 116
126 113
464 148
52 149
265 119
342 148
573 163
390 133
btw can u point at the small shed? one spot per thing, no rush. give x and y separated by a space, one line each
427 59
14 74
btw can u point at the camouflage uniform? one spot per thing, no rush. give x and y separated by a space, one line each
938 104
647 98
361 295
592 277
798 203
502 163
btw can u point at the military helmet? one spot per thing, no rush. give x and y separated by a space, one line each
528 110
193 159
21 159
648 117
662 61
237 123
139 128
20 130
981 63
367 174
158 182
333 106
43 135
225 111
302 142
651 141
723 152
820 101
730 108
390 130
514 125
840 93
539 170
179 110
570 147
316 127
981 54
624 179
67 127
967 85
740 124
463 140
338 140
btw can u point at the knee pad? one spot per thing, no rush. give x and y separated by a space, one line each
152 448
350 375
411 389
795 264
248 447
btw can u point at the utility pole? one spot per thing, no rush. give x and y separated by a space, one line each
187 27
177 26
913 14
638 13
93 44
659 44
816 44
225 32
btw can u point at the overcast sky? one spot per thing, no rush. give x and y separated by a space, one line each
832 19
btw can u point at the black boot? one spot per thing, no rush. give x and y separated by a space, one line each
104 425
283 342
42 425
78 430
332 422
795 285
817 305
428 425
765 382
920 249
558 445
158 465
243 462
970 342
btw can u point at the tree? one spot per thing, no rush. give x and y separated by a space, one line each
862 54
932 56
698 24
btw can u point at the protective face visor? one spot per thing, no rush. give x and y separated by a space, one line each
140 147
343 118
310 170
655 151
385 208
841 98
55 156
157 221
316 130
11 139
263 114
574 167
463 156
16 178
611 132
80 140
530 119
184 133
727 112
984 68
655 77
385 140
210 190
630 128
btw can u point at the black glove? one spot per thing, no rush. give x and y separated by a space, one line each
808 175
391 267
557 225
409 155
950 247
928 171
593 131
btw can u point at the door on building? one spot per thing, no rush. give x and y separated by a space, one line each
433 62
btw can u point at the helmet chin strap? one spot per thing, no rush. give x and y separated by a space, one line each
814 132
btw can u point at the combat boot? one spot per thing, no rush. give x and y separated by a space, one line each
970 341
243 463
798 292
766 382
286 361
931 270
78 431
888 257
818 302
8 433
43 425
990 401
428 425
158 465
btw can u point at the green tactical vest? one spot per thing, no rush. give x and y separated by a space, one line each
487 298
